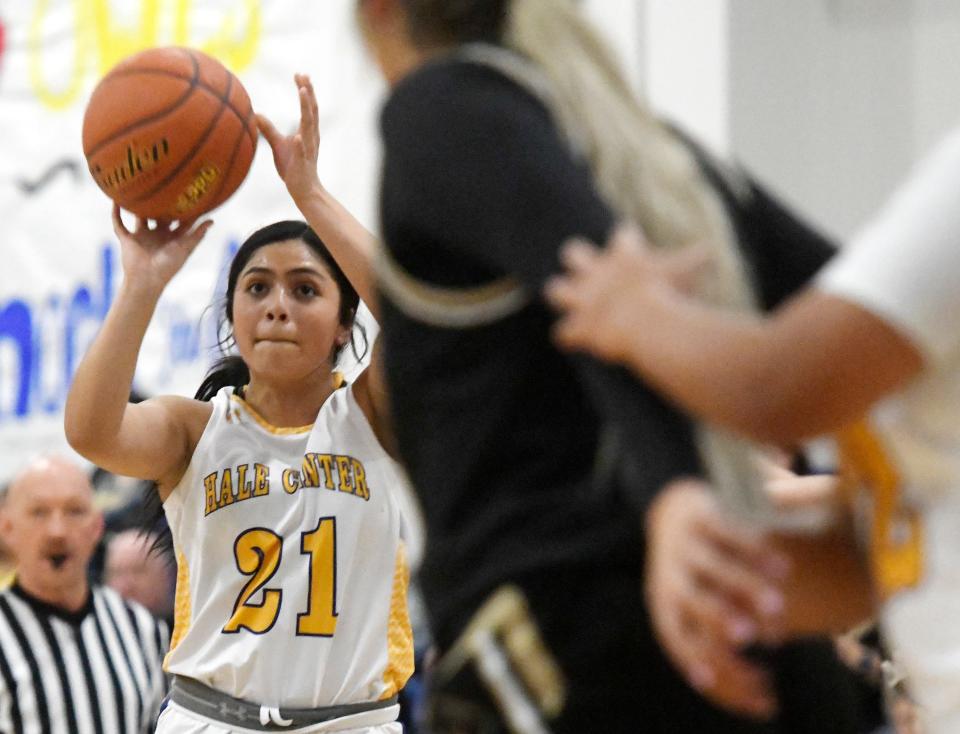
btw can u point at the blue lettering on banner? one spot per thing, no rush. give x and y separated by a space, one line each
42 343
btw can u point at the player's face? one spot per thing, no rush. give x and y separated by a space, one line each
286 313
52 526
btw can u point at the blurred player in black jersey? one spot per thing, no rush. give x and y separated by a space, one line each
507 131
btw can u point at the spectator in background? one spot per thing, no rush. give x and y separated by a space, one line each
138 572
73 657
6 557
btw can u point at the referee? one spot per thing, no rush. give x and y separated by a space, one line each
73 658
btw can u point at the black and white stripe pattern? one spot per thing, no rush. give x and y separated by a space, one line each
94 672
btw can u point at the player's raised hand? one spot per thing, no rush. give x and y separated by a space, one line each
295 156
152 255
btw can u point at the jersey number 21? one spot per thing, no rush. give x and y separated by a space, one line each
258 553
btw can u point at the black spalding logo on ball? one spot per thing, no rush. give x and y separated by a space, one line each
137 161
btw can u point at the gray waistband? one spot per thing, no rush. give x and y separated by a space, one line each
205 701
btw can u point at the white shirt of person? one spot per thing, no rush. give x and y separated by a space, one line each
904 267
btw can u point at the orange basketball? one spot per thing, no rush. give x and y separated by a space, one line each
169 133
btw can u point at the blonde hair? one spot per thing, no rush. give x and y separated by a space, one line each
647 176
640 167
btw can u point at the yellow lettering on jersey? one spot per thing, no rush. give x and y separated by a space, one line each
257 553
326 461
360 479
226 488
210 488
291 480
310 470
343 474
320 544
261 484
243 486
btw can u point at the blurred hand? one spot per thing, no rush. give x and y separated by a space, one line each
151 256
601 296
711 587
295 156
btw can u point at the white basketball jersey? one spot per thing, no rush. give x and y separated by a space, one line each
292 580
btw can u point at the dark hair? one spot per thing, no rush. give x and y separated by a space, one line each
231 369
456 21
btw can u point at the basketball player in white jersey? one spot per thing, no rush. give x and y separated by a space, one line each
875 335
282 502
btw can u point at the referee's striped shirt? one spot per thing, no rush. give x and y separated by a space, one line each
95 671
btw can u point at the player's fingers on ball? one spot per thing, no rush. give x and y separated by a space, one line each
267 129
197 232
119 226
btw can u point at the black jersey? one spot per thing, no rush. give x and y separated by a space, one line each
501 433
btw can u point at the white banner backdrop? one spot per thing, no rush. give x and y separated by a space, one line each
59 266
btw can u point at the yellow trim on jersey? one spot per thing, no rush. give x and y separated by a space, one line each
896 530
399 634
336 378
182 610
267 425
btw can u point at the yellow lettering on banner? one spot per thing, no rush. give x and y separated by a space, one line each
49 97
238 40
100 41
115 42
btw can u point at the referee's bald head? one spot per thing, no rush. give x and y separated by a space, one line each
49 469
49 521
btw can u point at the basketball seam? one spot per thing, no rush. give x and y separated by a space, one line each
193 151
226 102
233 159
194 82
244 119
226 99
